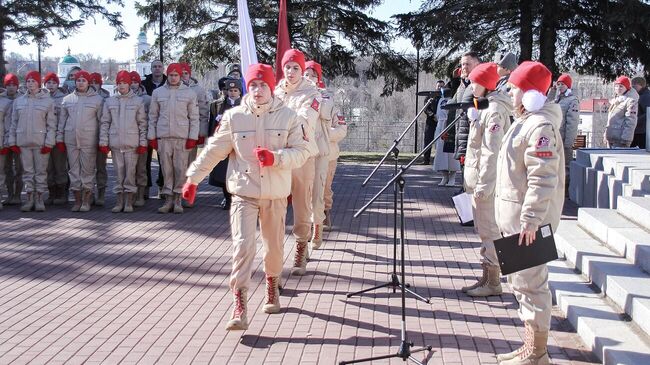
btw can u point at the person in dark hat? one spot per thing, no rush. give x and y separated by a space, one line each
506 63
233 71
232 89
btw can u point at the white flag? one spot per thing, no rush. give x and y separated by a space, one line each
246 40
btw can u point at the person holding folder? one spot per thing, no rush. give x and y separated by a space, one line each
529 194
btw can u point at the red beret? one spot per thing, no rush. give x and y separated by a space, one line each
135 77
11 79
186 67
96 78
318 69
35 75
51 76
294 55
625 81
82 74
530 75
175 67
566 80
260 71
123 76
485 75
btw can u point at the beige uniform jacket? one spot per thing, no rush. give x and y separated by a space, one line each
124 122
622 117
327 112
204 107
484 143
338 131
33 123
173 113
530 172
244 128
305 99
570 117
58 96
79 119
5 119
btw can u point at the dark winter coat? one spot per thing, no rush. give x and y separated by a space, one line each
218 174
461 132
644 104
150 86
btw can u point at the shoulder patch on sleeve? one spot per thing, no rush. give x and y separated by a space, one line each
341 119
544 154
542 142
494 128
315 105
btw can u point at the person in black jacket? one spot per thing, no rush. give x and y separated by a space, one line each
150 83
232 98
639 84
431 121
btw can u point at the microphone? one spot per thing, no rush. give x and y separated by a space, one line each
477 103
435 93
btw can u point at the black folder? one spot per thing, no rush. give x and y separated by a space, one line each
513 258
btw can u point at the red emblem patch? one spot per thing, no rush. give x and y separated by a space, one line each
341 119
544 154
494 128
543 142
315 105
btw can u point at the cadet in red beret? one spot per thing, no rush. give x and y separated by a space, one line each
11 168
622 116
144 160
57 167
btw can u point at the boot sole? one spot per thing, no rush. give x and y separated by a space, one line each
236 326
271 309
298 271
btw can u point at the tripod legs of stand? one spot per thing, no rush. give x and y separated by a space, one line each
404 353
393 283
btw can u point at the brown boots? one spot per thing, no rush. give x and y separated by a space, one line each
86 199
139 199
490 283
533 352
239 318
168 206
77 201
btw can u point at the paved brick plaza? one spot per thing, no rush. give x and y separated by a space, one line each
149 288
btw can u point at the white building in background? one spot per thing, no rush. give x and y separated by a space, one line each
67 63
143 66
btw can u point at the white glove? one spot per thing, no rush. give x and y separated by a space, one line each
472 114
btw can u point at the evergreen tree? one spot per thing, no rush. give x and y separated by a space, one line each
32 21
606 37
334 33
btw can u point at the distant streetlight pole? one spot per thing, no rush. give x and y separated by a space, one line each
38 44
160 31
417 89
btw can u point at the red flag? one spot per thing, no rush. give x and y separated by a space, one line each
284 43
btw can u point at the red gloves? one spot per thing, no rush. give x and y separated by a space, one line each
15 149
104 149
60 146
45 150
444 136
190 143
462 160
201 140
153 143
189 192
141 150
4 151
264 156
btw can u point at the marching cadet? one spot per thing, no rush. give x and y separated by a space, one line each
33 125
484 142
173 131
141 177
327 112
622 116
570 117
529 194
264 141
13 167
233 89
101 175
204 111
57 167
78 133
302 96
124 131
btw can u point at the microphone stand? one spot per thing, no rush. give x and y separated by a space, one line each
394 281
405 352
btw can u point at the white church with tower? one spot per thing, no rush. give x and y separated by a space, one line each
143 66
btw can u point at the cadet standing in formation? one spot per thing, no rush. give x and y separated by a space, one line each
13 165
57 167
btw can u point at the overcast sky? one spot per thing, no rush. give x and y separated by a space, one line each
96 37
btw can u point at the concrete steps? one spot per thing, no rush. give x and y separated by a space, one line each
603 286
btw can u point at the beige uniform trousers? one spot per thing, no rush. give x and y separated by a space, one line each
101 175
125 165
302 183
329 194
174 160
244 215
57 168
318 192
13 171
141 171
81 163
530 287
485 224
35 169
